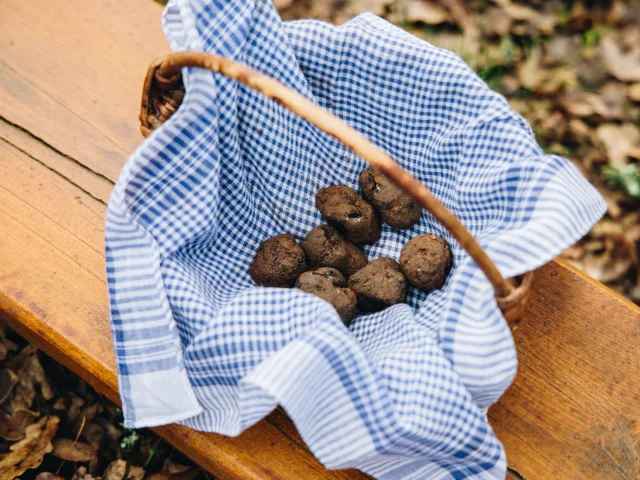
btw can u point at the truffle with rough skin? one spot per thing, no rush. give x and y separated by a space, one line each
396 207
279 261
329 284
326 247
425 260
355 260
379 285
354 217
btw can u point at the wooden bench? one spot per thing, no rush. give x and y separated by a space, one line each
70 79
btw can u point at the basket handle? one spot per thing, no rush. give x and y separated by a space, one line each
164 74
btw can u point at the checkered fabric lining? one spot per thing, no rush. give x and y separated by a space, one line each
403 393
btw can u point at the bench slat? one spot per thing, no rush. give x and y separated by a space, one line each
53 291
71 74
70 78
574 408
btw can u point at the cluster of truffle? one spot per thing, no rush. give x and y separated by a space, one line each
330 265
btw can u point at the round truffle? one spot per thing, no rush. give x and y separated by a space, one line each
354 217
326 247
425 260
396 207
279 261
329 284
379 285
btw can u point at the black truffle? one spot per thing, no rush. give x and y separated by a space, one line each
355 260
278 262
326 247
379 285
329 284
426 260
354 217
396 207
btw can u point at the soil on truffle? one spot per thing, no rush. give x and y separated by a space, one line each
278 262
345 210
355 260
329 284
396 207
326 247
426 260
379 285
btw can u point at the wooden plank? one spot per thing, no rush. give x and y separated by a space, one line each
53 291
94 185
71 73
574 408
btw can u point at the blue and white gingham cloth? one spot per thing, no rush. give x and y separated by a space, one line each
400 394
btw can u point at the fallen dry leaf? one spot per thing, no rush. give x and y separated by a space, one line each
112 432
173 467
60 405
586 104
28 453
495 22
73 414
94 434
605 268
635 291
556 80
634 92
629 37
12 427
529 72
135 473
424 11
67 449
115 471
455 42
592 157
559 49
623 65
620 141
31 380
510 84
82 474
606 228
8 381
591 72
461 16
48 476
189 474
543 22
282 4
612 200
86 414
580 130
6 345
615 94
554 122
377 7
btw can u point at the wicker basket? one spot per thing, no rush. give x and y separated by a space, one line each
163 92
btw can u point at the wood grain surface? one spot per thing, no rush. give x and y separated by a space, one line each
574 408
70 79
